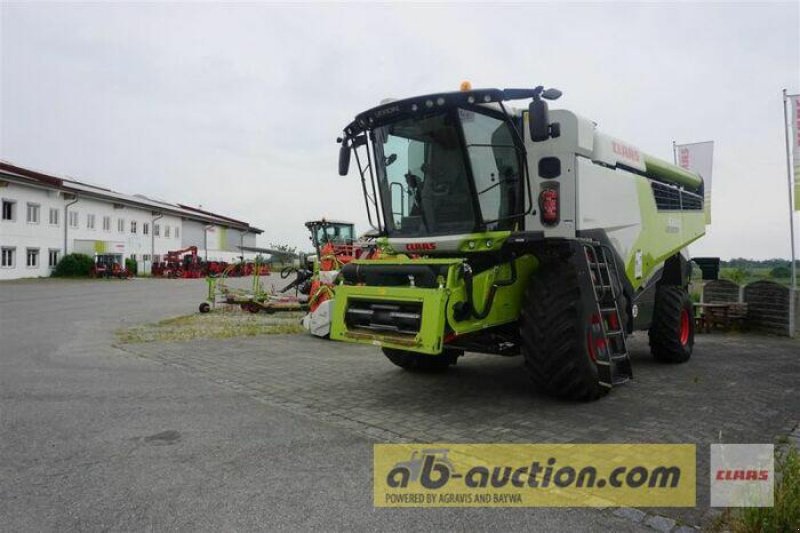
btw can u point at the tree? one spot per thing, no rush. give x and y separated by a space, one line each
283 249
780 272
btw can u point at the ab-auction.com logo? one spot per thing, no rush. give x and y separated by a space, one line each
545 475
432 469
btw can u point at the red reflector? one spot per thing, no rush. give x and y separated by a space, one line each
548 200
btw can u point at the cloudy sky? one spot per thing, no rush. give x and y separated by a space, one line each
236 106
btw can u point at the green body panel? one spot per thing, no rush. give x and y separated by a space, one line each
429 338
662 234
507 300
437 303
668 172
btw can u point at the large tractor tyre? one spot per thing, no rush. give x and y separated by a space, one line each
558 337
672 330
423 363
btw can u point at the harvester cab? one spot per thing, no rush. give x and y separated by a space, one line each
516 231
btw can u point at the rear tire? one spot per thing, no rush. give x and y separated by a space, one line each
554 331
672 331
423 363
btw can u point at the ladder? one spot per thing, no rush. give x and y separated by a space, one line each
607 333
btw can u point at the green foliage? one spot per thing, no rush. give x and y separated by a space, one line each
780 271
785 514
73 265
283 248
741 262
132 266
737 275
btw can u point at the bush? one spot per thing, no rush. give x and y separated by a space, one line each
74 265
132 266
781 272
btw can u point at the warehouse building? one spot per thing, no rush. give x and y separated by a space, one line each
44 217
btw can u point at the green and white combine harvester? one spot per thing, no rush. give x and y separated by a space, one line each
516 231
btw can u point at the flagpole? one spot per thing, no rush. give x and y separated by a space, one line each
792 297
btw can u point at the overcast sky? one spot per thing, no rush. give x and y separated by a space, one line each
236 107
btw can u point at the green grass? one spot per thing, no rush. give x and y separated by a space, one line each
220 324
784 516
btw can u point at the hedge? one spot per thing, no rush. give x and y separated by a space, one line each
74 265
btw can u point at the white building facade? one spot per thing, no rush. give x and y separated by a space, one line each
45 217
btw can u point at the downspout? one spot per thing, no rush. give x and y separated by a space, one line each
66 222
205 243
153 239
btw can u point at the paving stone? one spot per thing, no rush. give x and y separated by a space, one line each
660 523
629 513
723 392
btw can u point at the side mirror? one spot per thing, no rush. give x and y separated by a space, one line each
538 120
344 158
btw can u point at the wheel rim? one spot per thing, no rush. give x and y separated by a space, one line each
594 343
685 327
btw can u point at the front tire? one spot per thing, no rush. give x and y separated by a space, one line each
672 331
556 333
423 363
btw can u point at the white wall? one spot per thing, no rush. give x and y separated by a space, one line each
223 243
131 231
20 235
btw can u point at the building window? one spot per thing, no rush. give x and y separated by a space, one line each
54 216
32 257
156 230
156 258
73 219
33 213
133 226
146 257
9 208
8 257
52 258
133 257
90 221
106 223
177 232
120 225
166 231
145 228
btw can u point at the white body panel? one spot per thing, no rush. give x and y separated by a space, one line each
318 322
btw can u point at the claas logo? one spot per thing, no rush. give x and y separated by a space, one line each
742 475
420 246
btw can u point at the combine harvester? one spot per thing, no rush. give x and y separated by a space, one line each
516 231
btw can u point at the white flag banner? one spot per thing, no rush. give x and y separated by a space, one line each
794 120
698 157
